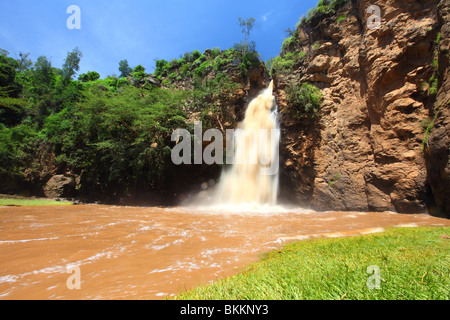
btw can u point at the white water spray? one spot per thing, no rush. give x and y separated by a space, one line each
252 179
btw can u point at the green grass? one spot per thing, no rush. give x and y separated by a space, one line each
32 202
413 262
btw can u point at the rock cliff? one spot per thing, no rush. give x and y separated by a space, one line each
381 138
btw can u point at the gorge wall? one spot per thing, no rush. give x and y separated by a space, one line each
381 138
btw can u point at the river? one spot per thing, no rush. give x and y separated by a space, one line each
154 253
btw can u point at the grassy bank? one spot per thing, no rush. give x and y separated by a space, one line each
413 264
18 201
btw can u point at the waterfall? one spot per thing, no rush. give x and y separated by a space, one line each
252 178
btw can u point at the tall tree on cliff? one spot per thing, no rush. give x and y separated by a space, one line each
71 64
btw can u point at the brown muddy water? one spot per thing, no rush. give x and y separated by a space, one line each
153 253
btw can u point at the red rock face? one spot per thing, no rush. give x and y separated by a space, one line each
438 148
364 150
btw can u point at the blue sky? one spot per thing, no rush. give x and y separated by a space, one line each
141 31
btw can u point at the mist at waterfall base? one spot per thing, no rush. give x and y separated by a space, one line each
250 183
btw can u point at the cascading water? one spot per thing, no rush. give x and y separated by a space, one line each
252 178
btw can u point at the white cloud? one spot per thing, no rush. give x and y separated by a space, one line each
265 16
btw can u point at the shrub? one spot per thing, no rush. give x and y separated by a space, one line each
201 70
89 76
195 55
215 52
433 89
166 82
185 70
249 60
323 7
305 100
188 57
161 67
173 75
173 64
288 42
182 61
139 68
285 64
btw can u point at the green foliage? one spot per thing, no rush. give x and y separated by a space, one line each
199 65
289 42
248 61
188 57
201 70
110 135
304 100
139 68
247 56
210 97
124 68
341 18
185 70
16 146
161 67
8 76
195 55
269 63
89 76
246 25
202 58
323 7
221 61
435 63
432 91
285 64
438 38
24 63
428 125
118 134
138 74
71 64
215 52
316 45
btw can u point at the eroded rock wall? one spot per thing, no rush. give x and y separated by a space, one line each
364 150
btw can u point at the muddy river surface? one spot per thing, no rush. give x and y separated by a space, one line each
153 253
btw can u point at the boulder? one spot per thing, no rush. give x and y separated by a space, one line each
60 186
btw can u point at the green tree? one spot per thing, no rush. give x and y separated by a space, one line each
246 48
24 63
8 83
71 64
124 68
161 67
246 27
43 77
